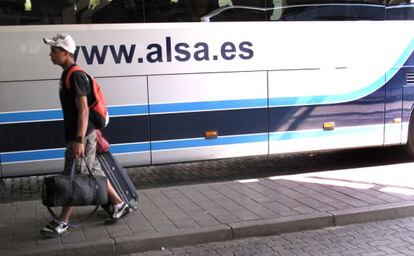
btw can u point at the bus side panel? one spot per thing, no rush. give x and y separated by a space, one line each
32 133
302 101
128 129
184 107
31 130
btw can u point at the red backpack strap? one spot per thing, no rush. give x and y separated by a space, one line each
69 74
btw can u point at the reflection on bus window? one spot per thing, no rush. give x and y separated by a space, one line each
301 10
193 10
398 2
70 12
36 12
276 13
118 11
329 10
333 12
177 10
40 12
400 10
240 14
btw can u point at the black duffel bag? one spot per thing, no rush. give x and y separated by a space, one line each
75 190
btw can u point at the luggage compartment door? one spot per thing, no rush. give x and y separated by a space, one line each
208 116
128 129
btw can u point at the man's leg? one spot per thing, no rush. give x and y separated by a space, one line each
70 157
60 226
120 207
65 214
113 195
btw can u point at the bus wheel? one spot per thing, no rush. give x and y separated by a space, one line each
409 147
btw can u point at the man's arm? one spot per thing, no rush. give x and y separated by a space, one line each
83 117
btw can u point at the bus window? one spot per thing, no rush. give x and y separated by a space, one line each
240 14
333 12
36 12
400 10
31 12
305 10
115 11
178 10
194 10
300 10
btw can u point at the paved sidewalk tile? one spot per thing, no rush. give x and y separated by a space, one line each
212 212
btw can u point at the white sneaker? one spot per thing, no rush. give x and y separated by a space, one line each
118 214
54 228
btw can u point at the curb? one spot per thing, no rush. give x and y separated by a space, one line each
274 226
98 247
281 225
140 243
374 213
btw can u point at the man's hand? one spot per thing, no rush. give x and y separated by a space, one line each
79 149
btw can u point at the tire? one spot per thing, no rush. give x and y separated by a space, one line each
409 147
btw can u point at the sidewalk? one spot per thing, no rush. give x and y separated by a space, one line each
186 215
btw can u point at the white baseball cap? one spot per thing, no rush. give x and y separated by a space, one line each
64 41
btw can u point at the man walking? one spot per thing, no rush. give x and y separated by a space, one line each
80 134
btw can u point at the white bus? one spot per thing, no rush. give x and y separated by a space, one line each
190 80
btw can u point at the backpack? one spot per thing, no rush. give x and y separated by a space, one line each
98 112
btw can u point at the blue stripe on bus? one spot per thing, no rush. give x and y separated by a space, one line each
130 148
305 134
128 110
207 105
54 154
31 116
47 115
32 155
202 142
49 154
138 110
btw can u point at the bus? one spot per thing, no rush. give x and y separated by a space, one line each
190 80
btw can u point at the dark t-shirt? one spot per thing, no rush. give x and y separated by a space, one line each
80 85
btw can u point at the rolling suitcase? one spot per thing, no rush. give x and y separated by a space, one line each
119 179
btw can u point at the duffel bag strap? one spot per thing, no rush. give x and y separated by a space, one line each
94 187
70 189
